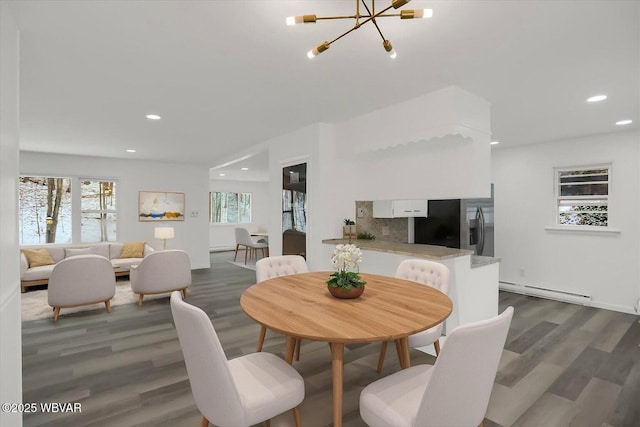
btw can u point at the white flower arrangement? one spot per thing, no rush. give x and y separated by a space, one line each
344 259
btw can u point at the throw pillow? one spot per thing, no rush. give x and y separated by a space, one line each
132 250
73 252
38 257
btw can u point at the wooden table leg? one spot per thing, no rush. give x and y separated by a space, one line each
337 361
402 347
288 353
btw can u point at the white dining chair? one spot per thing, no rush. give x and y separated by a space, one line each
429 273
276 266
243 238
454 392
241 392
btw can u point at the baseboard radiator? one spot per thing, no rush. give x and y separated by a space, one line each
553 294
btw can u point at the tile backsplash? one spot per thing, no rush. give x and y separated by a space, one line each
387 229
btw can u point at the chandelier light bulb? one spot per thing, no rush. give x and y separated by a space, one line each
301 19
416 14
317 50
389 48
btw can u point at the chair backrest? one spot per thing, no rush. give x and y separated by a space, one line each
160 270
276 266
424 271
460 387
211 382
243 237
81 279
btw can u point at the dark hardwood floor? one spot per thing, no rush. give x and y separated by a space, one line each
563 364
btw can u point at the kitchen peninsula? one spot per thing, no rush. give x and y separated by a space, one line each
474 279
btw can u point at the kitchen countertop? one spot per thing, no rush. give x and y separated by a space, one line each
422 251
417 250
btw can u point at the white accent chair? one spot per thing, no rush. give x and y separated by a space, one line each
243 238
429 273
453 392
243 391
161 272
81 280
276 266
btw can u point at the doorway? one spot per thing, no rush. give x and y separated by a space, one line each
294 210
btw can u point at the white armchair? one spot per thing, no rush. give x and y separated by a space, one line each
429 273
81 280
161 272
243 391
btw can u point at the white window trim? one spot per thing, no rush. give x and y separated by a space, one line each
582 228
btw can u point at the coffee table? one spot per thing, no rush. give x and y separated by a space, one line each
300 307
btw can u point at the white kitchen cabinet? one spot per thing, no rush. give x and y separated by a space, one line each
399 208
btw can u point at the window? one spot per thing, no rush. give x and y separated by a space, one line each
229 208
583 196
47 214
44 210
97 211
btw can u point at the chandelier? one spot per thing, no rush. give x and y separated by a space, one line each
368 15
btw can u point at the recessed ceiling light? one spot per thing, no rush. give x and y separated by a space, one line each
153 117
597 98
221 174
245 169
130 150
624 122
494 142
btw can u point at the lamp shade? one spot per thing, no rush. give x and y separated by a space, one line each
163 233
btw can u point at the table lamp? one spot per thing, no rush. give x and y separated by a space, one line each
163 233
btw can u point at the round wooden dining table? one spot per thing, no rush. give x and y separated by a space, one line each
300 307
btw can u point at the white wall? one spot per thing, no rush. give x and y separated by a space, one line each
222 236
603 265
433 146
330 186
133 176
427 160
10 323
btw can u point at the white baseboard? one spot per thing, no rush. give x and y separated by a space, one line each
221 248
571 298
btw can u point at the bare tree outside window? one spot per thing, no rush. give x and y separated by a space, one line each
45 210
98 211
229 208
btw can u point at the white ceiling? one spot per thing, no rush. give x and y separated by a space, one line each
226 75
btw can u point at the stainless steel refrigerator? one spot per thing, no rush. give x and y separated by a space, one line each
458 223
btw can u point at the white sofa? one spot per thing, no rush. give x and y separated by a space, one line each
31 276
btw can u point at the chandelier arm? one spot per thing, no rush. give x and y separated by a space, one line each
319 18
373 18
379 31
370 18
327 18
344 34
375 15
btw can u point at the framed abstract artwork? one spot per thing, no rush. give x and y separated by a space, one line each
160 206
